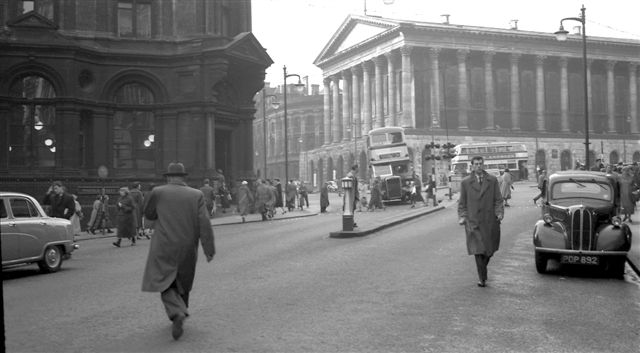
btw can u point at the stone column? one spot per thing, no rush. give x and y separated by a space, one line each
67 141
463 103
611 108
633 97
366 96
407 88
489 98
391 71
355 101
564 95
379 119
540 104
435 84
515 92
346 109
327 111
336 121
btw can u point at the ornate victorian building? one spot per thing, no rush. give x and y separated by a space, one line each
126 87
455 83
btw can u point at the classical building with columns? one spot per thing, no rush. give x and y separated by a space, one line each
456 83
105 92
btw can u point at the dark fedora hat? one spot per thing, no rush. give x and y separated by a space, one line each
175 169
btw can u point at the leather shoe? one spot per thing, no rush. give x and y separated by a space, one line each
177 330
482 284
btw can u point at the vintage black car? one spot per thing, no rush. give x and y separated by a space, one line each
580 223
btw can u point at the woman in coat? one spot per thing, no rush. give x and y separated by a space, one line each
324 197
125 217
245 198
263 195
95 210
506 184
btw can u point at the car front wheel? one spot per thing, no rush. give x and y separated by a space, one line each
541 263
52 259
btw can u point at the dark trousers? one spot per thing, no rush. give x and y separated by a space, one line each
482 261
174 302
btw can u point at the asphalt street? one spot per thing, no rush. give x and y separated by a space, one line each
286 286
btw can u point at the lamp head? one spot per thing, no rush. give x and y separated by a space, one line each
561 34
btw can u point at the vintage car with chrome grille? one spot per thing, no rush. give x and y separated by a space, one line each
580 223
30 236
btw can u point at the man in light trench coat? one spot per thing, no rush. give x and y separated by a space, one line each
181 220
480 210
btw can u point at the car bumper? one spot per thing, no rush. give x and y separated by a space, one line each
607 253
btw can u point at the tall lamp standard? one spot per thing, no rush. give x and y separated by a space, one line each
275 105
561 35
298 86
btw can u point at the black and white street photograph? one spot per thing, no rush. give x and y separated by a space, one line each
320 176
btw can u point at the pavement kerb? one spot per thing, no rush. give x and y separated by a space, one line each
363 232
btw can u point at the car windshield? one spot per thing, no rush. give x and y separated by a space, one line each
583 189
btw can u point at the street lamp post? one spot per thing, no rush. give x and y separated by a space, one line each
561 35
264 125
286 127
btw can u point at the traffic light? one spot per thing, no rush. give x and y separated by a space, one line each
447 150
431 148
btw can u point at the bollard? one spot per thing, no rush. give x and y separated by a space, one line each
347 208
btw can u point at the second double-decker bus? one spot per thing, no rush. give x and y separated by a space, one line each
389 160
498 156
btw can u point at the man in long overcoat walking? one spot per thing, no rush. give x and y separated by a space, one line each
181 220
480 210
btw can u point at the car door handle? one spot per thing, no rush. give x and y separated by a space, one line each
12 224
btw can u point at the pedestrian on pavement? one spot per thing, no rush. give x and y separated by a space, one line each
412 193
506 185
263 198
209 196
430 188
225 197
60 202
542 185
480 210
102 220
181 220
95 208
77 216
627 198
376 195
304 195
125 218
292 195
324 197
418 184
138 200
245 198
279 196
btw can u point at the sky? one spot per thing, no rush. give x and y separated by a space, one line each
294 32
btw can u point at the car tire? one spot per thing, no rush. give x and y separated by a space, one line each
541 263
615 268
52 259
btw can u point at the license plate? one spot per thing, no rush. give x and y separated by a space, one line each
579 260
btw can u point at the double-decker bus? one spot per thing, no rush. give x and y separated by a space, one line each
389 160
497 157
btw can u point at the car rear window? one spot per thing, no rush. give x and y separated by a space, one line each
23 208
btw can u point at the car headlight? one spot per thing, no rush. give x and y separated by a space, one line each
616 221
547 218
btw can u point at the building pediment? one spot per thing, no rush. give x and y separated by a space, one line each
32 19
355 30
245 46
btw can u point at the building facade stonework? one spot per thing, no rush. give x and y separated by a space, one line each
455 83
127 86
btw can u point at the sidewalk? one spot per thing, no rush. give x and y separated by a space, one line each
368 222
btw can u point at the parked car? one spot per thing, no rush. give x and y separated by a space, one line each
580 223
29 235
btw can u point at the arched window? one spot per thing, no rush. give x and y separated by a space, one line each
32 123
134 142
614 158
